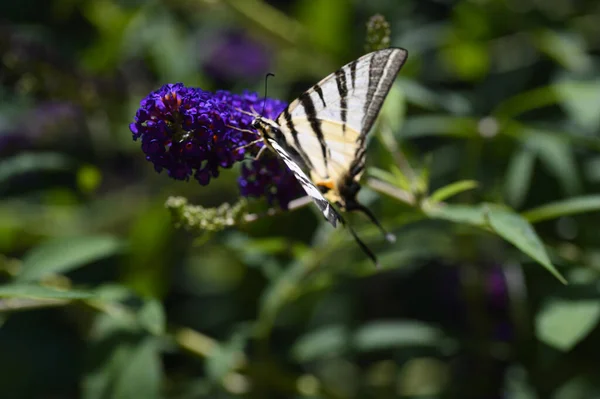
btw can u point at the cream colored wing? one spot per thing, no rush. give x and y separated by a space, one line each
328 124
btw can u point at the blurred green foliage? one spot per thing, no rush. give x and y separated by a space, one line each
485 163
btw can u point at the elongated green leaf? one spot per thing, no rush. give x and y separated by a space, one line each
565 48
527 101
515 229
439 125
324 342
571 206
65 254
452 189
558 158
384 335
518 176
562 324
389 177
40 292
579 100
31 162
468 214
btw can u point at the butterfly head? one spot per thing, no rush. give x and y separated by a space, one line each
264 126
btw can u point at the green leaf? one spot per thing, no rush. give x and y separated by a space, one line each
562 324
99 381
40 292
467 214
32 162
439 125
323 342
515 229
557 156
385 335
141 374
152 317
63 254
580 99
518 176
225 357
395 177
569 50
451 190
571 206
526 101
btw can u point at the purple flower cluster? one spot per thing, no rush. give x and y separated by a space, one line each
269 178
191 132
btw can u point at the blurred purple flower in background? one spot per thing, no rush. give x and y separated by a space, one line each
46 125
188 131
236 56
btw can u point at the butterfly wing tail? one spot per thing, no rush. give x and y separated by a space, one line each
356 206
363 246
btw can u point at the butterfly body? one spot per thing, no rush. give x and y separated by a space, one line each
324 131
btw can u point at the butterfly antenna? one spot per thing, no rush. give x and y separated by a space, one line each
265 97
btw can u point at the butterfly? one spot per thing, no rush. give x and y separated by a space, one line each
324 132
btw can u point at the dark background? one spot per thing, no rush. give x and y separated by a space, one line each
102 297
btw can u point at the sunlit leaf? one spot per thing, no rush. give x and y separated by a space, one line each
40 292
565 48
571 206
517 230
385 335
225 357
579 100
324 342
562 324
452 189
468 214
64 254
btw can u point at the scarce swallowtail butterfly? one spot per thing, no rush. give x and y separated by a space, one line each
324 132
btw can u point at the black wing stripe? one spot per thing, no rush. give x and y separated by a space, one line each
290 125
383 68
319 91
353 72
340 81
315 124
326 208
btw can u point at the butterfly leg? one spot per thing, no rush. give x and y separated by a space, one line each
355 206
260 152
249 144
242 130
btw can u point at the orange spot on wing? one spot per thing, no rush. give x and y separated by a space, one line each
326 183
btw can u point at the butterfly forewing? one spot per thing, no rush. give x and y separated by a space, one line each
328 211
328 123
